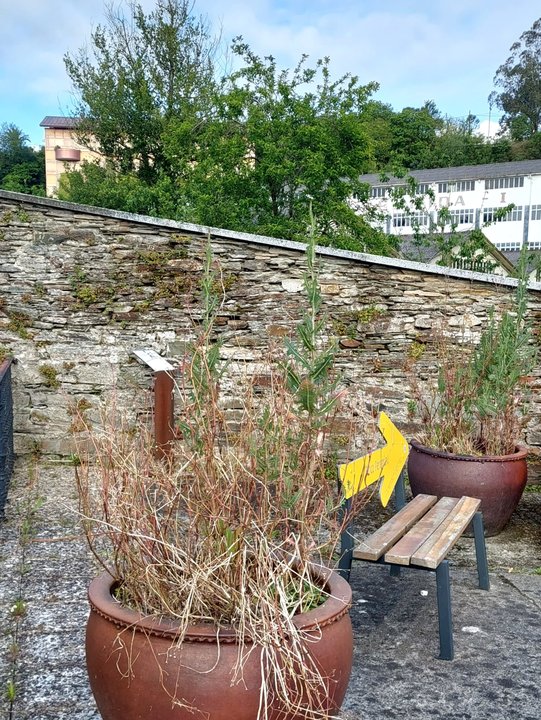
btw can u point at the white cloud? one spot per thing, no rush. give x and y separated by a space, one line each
489 128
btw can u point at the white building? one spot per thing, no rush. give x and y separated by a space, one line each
473 194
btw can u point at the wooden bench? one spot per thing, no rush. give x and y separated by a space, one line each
420 536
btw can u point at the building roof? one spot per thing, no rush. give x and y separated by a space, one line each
60 122
463 172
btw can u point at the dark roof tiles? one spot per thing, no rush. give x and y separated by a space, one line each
463 172
58 121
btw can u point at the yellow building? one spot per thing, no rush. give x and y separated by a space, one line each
62 151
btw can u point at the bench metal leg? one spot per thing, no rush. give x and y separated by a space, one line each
444 611
481 551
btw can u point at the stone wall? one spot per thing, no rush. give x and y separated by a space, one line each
81 288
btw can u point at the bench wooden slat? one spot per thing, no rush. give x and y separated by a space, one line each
374 546
401 553
433 551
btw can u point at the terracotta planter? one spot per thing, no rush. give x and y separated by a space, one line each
136 670
498 481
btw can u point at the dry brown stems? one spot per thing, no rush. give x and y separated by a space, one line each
226 531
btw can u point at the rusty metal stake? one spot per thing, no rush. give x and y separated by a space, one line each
164 404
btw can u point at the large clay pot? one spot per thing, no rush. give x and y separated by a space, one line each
136 670
497 480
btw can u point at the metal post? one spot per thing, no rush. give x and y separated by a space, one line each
163 412
445 619
163 399
399 503
400 492
347 541
481 551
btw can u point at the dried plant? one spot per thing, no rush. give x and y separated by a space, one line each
476 407
226 531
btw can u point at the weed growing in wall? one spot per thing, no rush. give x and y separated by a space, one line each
19 323
50 376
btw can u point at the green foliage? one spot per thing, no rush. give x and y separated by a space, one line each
347 323
416 350
421 138
18 609
22 169
101 186
87 293
518 83
414 131
251 152
248 154
10 692
142 71
309 363
477 404
280 140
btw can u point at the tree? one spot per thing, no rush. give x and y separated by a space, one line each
101 186
144 71
458 143
22 169
377 119
414 131
519 86
281 140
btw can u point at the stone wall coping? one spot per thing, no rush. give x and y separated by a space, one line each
243 237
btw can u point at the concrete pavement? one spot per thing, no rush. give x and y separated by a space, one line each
45 569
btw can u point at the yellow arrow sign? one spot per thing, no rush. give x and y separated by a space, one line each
385 463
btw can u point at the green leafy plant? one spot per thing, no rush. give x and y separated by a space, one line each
476 406
10 692
18 609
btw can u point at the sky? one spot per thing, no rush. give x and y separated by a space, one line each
446 51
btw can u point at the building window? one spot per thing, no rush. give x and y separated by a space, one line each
534 245
456 186
379 191
489 215
422 188
535 212
461 217
504 182
402 219
508 245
